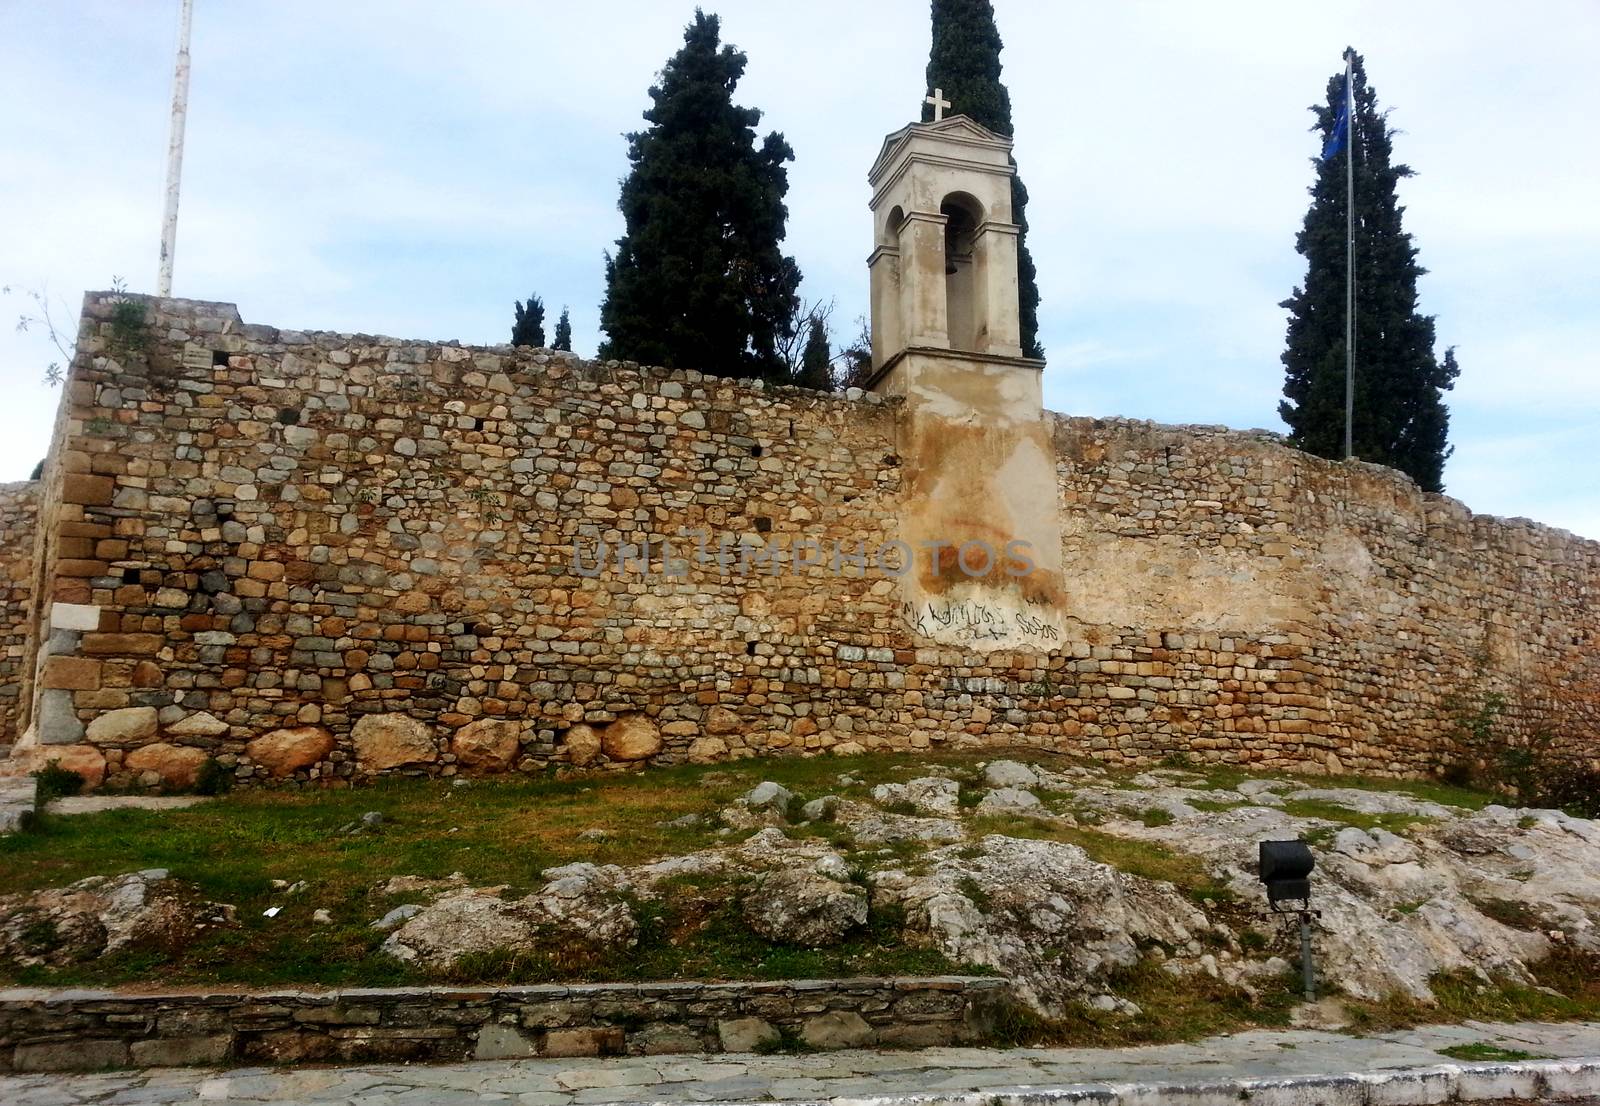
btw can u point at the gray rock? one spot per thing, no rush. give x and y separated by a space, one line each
1009 773
502 1042
928 795
1010 800
820 810
398 916
768 796
837 1029
804 908
746 1034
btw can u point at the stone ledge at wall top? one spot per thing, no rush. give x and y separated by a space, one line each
95 302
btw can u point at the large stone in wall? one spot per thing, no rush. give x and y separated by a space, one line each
487 745
284 752
631 737
177 765
86 760
583 746
386 741
200 724
116 727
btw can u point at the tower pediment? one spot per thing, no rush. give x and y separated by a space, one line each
958 137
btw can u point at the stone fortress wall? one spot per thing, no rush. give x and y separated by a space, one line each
19 507
319 556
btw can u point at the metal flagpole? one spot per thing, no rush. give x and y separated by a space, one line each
180 110
1350 259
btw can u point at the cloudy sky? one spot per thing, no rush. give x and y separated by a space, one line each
411 168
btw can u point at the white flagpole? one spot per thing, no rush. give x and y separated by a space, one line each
1350 259
180 110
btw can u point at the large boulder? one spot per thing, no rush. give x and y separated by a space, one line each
582 744
285 752
102 915
927 795
86 760
631 737
177 765
1041 912
120 727
580 911
803 907
392 741
487 745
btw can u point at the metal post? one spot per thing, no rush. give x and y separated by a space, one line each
1308 971
180 111
1350 258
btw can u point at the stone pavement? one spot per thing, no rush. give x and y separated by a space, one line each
1405 1068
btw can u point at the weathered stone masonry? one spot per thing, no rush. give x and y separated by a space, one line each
43 1030
315 556
19 506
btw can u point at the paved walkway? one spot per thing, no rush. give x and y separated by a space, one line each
941 1075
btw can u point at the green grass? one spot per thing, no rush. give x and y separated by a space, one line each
1566 987
1172 1008
1140 858
1483 1051
504 832
1333 812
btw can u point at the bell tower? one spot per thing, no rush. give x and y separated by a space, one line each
944 273
980 501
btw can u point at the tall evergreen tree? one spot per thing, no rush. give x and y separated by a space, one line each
816 370
1400 416
528 330
563 340
699 279
965 62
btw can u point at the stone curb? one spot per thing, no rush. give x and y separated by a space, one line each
1542 1081
44 1029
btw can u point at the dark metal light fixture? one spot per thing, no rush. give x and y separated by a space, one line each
1285 867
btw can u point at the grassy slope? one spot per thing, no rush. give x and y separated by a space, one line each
505 832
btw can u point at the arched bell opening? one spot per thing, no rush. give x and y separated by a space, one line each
964 214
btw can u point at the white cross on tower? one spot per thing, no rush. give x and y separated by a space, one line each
939 104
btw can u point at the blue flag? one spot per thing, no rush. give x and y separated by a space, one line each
1341 128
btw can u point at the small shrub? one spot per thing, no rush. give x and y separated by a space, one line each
54 782
213 778
1156 817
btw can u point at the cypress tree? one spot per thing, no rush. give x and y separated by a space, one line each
816 370
965 62
699 279
528 330
563 340
1400 416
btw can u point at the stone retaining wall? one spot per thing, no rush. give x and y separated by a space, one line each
317 557
19 509
44 1030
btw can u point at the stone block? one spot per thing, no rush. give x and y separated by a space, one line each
837 1029
284 752
71 673
77 1055
174 1052
488 745
90 491
502 1042
587 1041
392 741
58 722
746 1034
177 765
117 727
125 645
631 737
74 616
